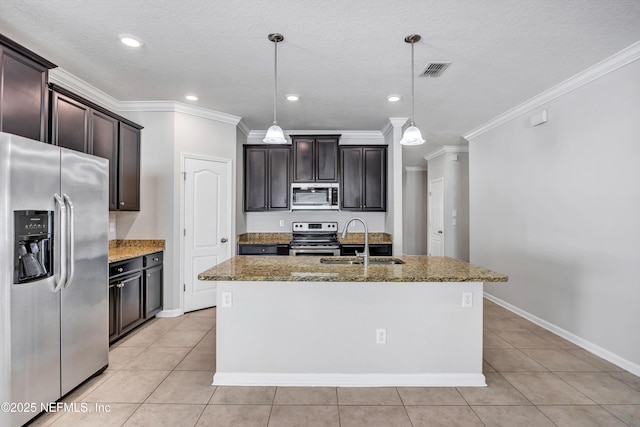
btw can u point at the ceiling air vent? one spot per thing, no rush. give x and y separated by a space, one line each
434 69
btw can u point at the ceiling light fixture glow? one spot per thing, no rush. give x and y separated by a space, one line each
191 97
293 97
412 135
393 98
130 41
275 135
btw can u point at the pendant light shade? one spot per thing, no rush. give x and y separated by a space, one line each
412 135
275 135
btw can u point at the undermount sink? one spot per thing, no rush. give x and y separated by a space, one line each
360 261
385 261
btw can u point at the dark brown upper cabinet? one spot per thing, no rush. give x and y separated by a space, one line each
315 158
267 178
23 91
104 143
70 121
129 168
79 124
363 178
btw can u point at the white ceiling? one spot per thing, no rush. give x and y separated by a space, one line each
342 57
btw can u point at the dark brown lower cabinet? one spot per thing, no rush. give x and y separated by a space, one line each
153 284
135 293
125 304
131 302
263 249
377 249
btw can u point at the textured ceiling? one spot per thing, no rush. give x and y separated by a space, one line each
342 57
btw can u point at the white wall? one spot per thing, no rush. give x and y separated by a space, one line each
270 221
166 135
452 164
414 196
557 208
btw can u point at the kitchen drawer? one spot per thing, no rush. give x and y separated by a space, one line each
263 249
376 249
123 267
152 260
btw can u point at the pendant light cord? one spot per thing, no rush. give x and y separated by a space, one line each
413 100
275 78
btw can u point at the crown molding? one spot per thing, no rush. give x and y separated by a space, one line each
344 134
617 60
447 149
179 107
393 123
67 80
243 128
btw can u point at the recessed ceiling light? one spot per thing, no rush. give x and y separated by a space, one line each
191 98
393 98
130 41
293 97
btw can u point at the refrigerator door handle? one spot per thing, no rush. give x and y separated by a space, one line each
71 243
61 255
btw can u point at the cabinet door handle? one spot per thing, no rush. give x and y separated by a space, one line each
156 259
120 285
148 274
121 203
120 269
224 240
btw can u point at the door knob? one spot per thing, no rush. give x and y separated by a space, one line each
439 231
223 240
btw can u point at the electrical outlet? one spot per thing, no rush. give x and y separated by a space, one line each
467 299
227 299
282 223
381 336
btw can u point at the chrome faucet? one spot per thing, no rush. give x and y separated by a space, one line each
365 254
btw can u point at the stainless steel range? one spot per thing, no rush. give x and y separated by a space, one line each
315 239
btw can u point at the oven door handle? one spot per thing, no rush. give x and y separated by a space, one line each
323 252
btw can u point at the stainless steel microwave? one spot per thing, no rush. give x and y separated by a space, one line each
319 196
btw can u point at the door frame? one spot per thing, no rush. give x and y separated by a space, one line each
232 213
429 234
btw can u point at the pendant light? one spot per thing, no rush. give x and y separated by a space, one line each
412 135
274 133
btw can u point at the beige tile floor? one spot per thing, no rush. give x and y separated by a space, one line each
161 376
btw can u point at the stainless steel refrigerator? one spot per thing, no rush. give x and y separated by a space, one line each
54 219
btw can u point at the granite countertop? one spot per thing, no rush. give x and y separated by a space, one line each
309 269
265 238
120 250
285 238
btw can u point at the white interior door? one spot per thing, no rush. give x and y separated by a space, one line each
436 217
207 226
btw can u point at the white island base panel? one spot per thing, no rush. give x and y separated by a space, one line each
327 333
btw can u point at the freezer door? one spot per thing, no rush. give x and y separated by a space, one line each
29 312
85 299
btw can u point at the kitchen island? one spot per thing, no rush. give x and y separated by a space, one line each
296 321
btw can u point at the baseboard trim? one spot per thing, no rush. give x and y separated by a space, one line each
575 339
170 313
349 380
